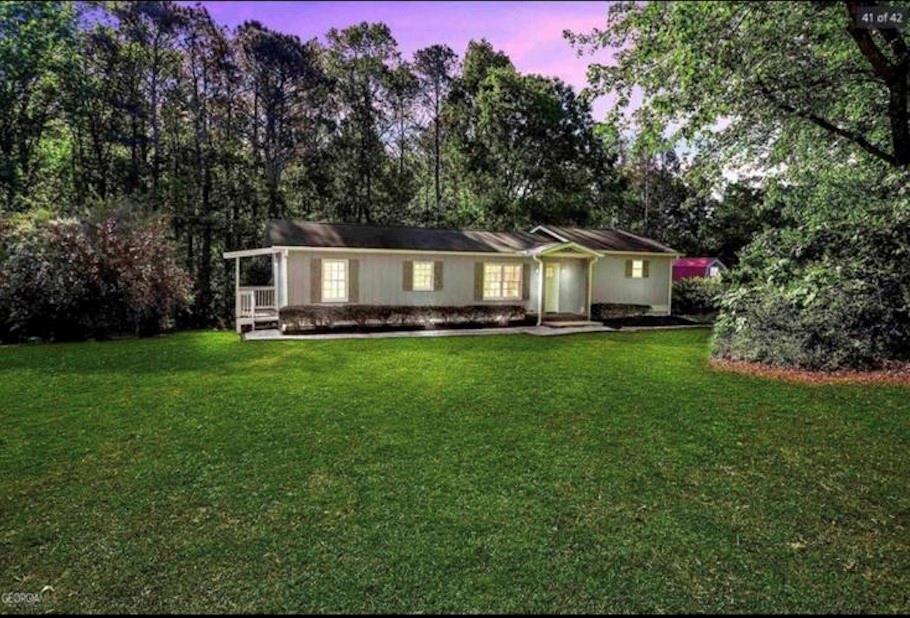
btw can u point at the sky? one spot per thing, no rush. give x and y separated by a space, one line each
529 32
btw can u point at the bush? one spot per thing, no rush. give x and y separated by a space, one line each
610 311
697 295
62 279
825 296
297 318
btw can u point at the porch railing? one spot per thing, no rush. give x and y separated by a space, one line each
255 300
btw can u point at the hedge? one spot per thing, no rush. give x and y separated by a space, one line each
296 318
609 311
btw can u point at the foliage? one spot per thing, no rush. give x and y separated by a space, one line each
697 295
758 84
606 311
833 292
67 280
523 147
36 40
801 94
295 318
221 130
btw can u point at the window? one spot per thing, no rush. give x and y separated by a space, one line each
423 277
714 271
501 281
334 281
638 269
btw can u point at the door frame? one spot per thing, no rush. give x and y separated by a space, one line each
546 300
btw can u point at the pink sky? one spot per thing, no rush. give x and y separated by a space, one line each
529 32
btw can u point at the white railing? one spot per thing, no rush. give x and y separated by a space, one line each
252 301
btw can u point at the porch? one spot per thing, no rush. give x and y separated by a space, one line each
259 304
564 285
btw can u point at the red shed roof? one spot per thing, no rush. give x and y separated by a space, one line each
702 262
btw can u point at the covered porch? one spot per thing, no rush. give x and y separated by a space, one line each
564 284
259 304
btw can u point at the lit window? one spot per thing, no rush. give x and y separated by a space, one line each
423 277
638 269
501 281
714 271
334 281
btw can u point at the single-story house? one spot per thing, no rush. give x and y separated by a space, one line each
704 267
549 270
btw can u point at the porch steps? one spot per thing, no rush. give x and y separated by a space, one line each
570 323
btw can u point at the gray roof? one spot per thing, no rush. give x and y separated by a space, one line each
609 239
360 236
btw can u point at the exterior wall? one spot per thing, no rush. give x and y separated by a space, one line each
610 284
380 278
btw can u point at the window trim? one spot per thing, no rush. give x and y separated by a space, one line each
432 285
502 266
347 280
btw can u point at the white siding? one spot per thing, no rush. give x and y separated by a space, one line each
380 280
381 277
612 286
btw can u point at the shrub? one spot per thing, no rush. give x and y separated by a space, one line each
296 318
609 311
825 296
62 279
697 295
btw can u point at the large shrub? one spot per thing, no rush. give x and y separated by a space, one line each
62 279
697 295
829 294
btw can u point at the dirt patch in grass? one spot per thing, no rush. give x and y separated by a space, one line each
893 373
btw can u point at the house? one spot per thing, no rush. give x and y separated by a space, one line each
683 268
549 270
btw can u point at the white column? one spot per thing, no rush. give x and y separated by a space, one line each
237 292
284 278
539 291
590 284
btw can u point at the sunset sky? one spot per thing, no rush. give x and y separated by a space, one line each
529 32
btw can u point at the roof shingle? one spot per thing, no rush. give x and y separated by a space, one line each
360 236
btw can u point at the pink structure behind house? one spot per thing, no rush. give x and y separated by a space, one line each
684 268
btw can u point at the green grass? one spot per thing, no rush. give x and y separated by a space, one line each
586 473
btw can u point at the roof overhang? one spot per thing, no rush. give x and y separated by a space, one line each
563 247
250 252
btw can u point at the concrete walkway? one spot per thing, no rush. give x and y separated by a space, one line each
539 331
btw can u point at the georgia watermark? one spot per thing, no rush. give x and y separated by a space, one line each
24 598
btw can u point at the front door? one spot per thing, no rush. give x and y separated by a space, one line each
551 288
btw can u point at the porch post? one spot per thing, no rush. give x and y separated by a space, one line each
590 284
284 278
237 292
539 290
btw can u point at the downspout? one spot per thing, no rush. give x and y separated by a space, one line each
539 289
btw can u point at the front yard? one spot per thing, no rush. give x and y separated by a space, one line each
608 472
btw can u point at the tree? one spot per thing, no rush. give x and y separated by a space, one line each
434 66
361 59
36 41
285 79
523 146
150 30
786 76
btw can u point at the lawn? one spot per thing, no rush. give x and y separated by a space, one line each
608 472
